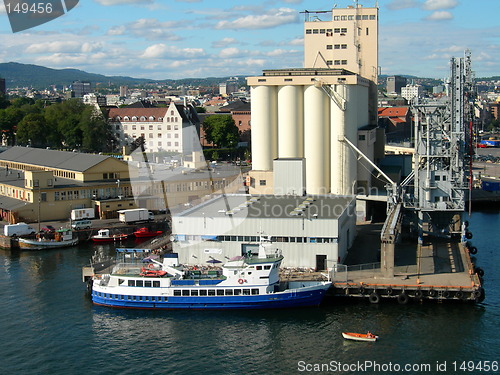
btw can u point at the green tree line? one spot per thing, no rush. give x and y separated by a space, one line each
66 125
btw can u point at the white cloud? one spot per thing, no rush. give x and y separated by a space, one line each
229 52
440 4
224 42
148 28
274 18
63 47
440 15
157 51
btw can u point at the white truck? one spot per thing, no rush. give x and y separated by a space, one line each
135 215
19 229
82 213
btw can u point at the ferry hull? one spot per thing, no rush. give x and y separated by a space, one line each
307 297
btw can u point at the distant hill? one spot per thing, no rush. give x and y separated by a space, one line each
40 77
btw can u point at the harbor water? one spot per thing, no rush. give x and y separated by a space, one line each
48 325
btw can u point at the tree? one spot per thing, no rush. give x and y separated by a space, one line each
221 131
96 135
32 130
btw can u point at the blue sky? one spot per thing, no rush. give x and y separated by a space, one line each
161 39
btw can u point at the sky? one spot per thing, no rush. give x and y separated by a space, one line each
174 39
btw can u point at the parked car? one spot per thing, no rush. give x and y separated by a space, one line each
48 229
81 224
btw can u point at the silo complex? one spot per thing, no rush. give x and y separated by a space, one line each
264 126
306 113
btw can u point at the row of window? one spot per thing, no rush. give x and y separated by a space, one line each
336 62
256 239
151 127
215 292
338 30
336 46
358 17
183 293
92 193
144 118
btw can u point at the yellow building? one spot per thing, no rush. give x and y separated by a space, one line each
39 184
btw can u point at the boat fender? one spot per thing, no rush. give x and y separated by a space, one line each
241 281
374 298
459 294
473 250
389 290
403 298
466 223
362 290
476 294
432 293
479 271
151 266
446 294
419 294
468 235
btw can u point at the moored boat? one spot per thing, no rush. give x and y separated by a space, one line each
360 336
244 282
62 238
105 235
146 233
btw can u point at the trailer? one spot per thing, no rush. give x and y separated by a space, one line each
135 215
82 213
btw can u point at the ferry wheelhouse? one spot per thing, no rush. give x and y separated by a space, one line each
244 282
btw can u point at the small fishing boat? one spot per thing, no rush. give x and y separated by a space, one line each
146 233
104 235
360 336
61 238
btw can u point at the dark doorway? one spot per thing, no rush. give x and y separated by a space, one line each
320 262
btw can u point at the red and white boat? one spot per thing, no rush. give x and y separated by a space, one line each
360 336
145 233
104 235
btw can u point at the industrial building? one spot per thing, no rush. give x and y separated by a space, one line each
316 113
313 231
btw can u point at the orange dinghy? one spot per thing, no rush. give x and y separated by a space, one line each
360 336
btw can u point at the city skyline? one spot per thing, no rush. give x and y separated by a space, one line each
201 38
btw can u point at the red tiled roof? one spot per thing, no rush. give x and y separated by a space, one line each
393 111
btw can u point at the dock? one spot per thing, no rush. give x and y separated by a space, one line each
437 269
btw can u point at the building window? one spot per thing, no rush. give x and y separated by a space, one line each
361 137
308 31
337 30
367 32
336 18
344 62
134 127
329 62
329 46
322 31
343 18
337 62
262 182
159 135
343 30
337 46
150 127
373 17
365 17
343 46
315 31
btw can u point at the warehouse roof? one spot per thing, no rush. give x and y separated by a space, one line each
272 206
71 161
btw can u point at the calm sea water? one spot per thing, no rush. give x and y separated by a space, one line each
49 326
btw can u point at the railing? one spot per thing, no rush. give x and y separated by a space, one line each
341 271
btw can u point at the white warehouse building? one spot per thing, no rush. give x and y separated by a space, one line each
311 231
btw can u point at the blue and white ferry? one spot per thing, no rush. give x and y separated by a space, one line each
245 282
